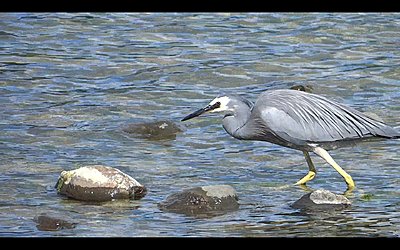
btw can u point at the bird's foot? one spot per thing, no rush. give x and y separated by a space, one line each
306 178
349 191
304 187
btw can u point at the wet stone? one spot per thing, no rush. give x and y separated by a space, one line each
305 88
320 200
51 223
159 130
202 201
99 183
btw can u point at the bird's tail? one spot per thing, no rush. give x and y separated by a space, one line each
389 132
397 132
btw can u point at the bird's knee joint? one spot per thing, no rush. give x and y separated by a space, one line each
312 174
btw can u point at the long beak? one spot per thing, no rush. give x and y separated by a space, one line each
201 111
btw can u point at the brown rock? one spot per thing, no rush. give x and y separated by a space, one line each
51 223
202 201
159 130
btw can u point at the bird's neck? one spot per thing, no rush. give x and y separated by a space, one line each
235 121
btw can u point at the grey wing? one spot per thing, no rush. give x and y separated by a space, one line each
301 117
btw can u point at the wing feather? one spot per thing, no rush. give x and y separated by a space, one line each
308 117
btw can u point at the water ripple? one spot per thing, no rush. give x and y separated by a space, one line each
70 81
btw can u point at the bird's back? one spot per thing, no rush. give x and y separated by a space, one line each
296 119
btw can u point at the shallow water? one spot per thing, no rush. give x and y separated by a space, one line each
70 81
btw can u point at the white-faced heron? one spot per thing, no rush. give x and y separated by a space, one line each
298 120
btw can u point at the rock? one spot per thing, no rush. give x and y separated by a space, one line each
99 183
159 130
366 197
50 223
306 88
202 201
321 200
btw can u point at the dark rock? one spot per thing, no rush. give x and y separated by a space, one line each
50 223
160 130
99 183
320 200
202 201
306 88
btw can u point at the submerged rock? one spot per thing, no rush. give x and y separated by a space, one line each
159 130
202 201
306 88
321 200
99 183
51 223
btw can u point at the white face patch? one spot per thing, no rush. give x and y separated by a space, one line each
224 100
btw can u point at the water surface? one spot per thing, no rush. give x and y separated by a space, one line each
70 81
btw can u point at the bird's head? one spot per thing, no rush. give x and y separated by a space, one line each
226 104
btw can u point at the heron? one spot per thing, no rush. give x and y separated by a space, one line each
299 120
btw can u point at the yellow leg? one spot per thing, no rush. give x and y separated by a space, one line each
311 170
324 155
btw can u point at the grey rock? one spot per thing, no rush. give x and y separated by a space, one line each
51 223
322 200
159 130
99 183
202 201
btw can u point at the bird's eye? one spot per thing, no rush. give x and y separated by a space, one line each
215 105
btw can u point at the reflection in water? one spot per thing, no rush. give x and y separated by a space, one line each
70 81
